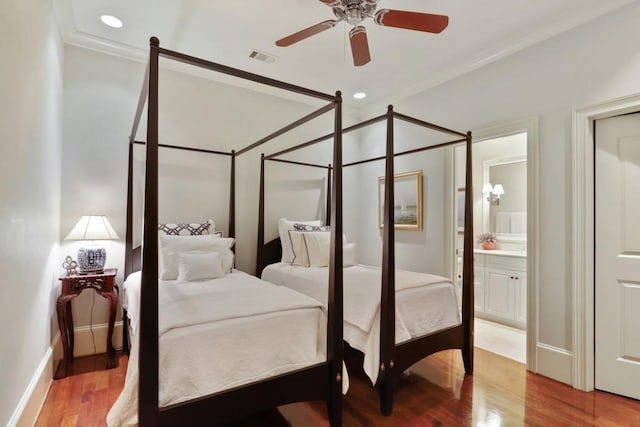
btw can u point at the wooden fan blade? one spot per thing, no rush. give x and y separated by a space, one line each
307 32
359 46
412 20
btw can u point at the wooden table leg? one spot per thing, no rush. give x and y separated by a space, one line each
70 331
61 309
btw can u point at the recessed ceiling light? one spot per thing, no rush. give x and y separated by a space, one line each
111 21
359 95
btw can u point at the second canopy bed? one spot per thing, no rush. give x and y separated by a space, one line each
394 317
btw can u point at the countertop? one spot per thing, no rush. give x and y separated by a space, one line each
501 252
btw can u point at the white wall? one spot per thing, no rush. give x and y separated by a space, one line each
415 250
595 62
100 97
30 131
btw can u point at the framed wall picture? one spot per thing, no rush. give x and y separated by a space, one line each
460 196
407 212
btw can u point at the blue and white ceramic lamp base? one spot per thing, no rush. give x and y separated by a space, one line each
91 259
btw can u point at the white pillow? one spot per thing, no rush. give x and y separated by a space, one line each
318 247
199 266
172 260
318 244
170 246
348 254
284 225
227 258
300 256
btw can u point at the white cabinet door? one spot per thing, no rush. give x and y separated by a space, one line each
478 292
478 282
521 298
501 289
500 293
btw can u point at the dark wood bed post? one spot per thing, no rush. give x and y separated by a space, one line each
387 297
128 240
128 244
232 197
260 250
335 349
328 211
148 362
467 266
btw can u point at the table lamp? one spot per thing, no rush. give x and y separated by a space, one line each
91 257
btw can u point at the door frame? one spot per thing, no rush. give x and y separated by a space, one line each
583 230
530 126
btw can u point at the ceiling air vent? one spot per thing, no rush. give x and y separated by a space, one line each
263 56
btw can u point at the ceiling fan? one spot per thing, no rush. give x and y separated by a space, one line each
356 11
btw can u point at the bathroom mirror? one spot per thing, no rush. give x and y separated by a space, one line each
505 210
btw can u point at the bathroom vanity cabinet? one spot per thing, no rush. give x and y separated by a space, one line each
501 287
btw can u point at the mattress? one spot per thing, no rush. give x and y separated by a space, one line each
222 333
425 303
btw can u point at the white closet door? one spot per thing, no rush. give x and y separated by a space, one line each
617 252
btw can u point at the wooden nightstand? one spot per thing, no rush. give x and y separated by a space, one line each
72 285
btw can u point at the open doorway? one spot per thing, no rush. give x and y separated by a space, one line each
500 194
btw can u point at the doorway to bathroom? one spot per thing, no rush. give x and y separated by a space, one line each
501 221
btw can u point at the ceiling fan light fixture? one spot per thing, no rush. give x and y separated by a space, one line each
111 21
359 95
354 15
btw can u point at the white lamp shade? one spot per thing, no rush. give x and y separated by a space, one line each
498 190
487 188
92 227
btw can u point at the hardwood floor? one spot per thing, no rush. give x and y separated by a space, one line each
84 398
435 393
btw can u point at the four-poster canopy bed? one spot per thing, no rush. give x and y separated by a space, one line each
391 357
320 381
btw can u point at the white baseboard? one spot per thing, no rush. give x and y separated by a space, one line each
555 363
30 405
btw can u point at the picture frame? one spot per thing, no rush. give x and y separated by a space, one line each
460 198
408 201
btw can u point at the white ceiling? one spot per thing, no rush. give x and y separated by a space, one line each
403 62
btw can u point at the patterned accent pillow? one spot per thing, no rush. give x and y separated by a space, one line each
184 229
307 227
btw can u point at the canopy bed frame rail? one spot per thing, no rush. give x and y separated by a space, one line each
321 381
396 358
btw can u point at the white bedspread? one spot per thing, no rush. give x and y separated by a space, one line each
223 333
425 303
131 300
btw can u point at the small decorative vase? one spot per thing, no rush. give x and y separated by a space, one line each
488 245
